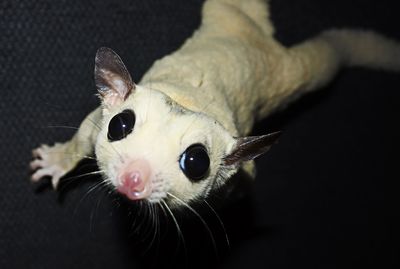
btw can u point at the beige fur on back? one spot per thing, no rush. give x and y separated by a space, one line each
234 70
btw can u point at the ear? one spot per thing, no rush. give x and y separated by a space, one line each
250 147
112 79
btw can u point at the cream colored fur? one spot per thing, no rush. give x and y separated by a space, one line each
229 74
160 136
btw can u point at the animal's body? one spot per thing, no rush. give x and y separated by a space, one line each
181 132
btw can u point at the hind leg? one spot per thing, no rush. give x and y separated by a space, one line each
227 14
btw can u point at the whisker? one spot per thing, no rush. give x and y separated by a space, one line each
99 128
197 117
149 218
94 187
113 148
146 218
150 98
72 154
201 219
140 218
83 175
157 233
153 217
151 230
148 107
164 213
52 105
107 150
220 222
138 226
133 224
93 213
178 229
95 124
60 126
158 226
71 179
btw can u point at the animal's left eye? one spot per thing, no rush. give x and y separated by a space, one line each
194 162
121 125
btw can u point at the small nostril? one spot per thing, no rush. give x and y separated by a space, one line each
131 181
133 186
135 181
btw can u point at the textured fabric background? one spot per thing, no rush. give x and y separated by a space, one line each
325 197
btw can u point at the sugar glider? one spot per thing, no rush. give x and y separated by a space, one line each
182 131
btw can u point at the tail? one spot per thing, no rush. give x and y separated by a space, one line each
365 48
317 60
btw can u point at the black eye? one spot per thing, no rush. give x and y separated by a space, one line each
194 162
121 125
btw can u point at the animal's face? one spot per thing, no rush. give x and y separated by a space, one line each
151 148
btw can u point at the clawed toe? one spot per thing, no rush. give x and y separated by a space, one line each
43 166
35 164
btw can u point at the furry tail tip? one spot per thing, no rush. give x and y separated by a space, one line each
365 48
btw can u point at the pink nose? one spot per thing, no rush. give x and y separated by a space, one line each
135 180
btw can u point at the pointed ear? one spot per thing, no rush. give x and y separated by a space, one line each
250 147
112 79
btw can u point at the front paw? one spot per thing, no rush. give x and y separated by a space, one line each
49 162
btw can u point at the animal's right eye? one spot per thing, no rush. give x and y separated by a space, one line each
121 125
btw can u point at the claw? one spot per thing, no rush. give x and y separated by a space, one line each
40 152
54 182
35 153
39 174
43 166
35 164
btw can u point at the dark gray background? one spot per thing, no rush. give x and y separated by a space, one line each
326 196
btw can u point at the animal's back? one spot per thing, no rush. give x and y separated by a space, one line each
224 64
236 71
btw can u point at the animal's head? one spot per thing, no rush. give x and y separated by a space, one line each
150 147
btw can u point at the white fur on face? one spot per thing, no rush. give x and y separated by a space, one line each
162 132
